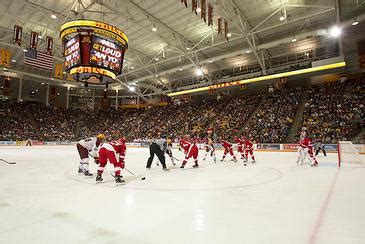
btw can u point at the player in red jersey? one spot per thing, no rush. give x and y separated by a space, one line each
248 148
240 144
305 146
190 150
209 147
114 152
228 148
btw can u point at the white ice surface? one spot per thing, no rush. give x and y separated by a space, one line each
44 200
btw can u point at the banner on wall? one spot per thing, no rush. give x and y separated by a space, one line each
210 14
34 40
17 35
49 45
268 146
5 57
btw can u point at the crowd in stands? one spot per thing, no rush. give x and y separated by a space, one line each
335 111
274 117
332 112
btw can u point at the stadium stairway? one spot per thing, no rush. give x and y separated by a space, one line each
262 100
294 129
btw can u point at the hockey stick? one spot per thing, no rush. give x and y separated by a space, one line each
7 162
142 178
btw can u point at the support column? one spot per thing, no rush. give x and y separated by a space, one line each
116 99
340 48
20 89
93 101
67 97
47 95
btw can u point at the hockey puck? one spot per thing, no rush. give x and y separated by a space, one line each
143 178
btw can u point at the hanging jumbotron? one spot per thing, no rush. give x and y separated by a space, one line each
93 51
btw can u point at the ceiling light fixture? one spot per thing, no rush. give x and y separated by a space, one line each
132 67
199 72
154 28
187 48
210 61
132 88
156 59
294 39
335 31
180 68
53 16
248 51
198 9
356 22
229 34
13 60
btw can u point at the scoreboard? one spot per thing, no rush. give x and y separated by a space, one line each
106 54
93 51
71 53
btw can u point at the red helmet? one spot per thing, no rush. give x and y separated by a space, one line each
122 140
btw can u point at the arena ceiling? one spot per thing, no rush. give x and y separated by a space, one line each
159 60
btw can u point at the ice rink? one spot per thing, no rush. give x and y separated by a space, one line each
44 200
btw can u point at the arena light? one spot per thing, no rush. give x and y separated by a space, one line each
355 22
13 60
198 9
229 34
210 61
294 39
132 67
199 72
53 16
261 78
154 28
25 50
180 68
282 18
335 31
156 59
132 88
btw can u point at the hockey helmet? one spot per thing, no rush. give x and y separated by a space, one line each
101 136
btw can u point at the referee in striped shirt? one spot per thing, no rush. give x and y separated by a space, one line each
158 147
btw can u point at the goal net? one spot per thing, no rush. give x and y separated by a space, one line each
348 154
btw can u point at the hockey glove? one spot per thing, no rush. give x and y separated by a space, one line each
96 160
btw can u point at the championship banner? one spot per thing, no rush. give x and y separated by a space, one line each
58 71
49 45
226 29
283 80
5 57
17 35
52 96
194 5
204 10
219 26
33 40
185 3
210 14
361 53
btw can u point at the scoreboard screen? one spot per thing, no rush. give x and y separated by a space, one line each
72 53
106 54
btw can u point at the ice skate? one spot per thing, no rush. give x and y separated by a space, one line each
99 178
119 180
314 164
195 165
87 173
80 171
182 166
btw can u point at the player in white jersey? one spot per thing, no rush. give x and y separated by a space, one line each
84 147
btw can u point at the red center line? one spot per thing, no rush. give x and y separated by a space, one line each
322 213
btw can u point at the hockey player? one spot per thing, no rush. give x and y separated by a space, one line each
318 147
240 145
168 152
158 147
306 147
113 151
228 148
248 148
209 148
190 150
84 147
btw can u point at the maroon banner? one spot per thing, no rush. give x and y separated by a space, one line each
226 29
34 40
361 53
185 3
219 26
210 14
17 35
204 10
49 45
194 5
